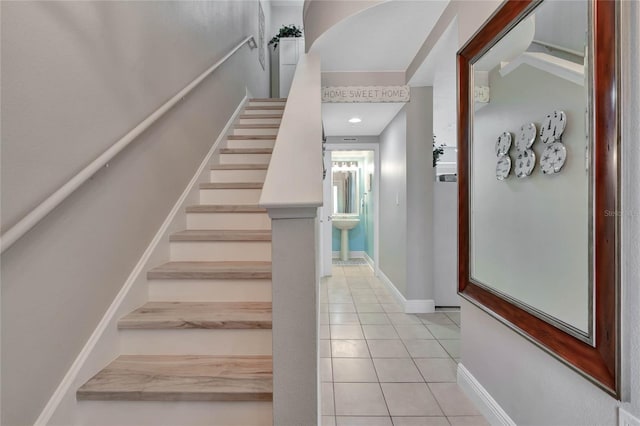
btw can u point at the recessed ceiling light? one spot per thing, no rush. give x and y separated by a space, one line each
355 120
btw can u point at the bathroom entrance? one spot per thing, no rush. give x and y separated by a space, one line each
349 214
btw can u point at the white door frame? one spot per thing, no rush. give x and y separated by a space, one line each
327 251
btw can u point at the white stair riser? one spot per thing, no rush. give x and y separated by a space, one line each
245 158
260 131
230 196
244 221
238 175
262 111
260 120
267 103
250 143
214 251
209 290
183 413
195 342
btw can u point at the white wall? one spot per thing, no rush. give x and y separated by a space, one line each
406 198
530 385
284 15
445 244
420 194
393 201
75 77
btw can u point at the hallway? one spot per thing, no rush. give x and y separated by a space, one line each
381 367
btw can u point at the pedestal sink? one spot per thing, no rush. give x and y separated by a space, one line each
344 224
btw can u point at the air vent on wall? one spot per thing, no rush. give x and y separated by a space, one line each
349 139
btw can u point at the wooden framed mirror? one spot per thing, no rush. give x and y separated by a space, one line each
538 164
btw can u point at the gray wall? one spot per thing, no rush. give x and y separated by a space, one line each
406 230
530 385
76 76
420 194
393 187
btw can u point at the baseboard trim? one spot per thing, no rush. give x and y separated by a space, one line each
87 363
488 406
353 254
411 306
370 261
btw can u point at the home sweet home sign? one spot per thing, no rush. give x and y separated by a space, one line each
366 94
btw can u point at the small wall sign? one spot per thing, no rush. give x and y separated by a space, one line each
366 94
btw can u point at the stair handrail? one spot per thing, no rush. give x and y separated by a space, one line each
25 224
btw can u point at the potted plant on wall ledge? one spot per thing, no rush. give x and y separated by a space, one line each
286 31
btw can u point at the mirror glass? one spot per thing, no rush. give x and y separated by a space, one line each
530 168
344 184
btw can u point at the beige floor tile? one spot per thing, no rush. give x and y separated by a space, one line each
435 318
325 370
452 347
413 331
324 317
340 298
392 307
324 332
455 316
365 298
354 370
351 271
468 421
373 318
362 292
324 307
364 284
360 399
369 307
403 319
326 399
420 421
387 349
410 399
386 299
452 400
342 307
344 318
328 421
449 331
325 348
397 370
363 421
349 349
437 369
380 332
421 348
342 332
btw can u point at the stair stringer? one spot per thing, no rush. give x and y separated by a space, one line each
103 346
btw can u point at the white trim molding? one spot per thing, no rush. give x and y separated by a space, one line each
411 306
103 345
488 406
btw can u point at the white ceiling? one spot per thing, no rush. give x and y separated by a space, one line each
375 118
385 37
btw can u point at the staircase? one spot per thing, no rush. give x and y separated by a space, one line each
199 351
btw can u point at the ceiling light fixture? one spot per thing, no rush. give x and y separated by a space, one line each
355 120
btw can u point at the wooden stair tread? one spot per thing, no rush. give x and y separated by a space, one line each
239 167
182 378
212 270
268 100
246 150
225 208
264 107
257 126
199 315
231 185
260 116
251 137
221 235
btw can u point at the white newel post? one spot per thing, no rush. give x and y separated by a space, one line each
292 193
295 304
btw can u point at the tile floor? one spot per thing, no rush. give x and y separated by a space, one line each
381 367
